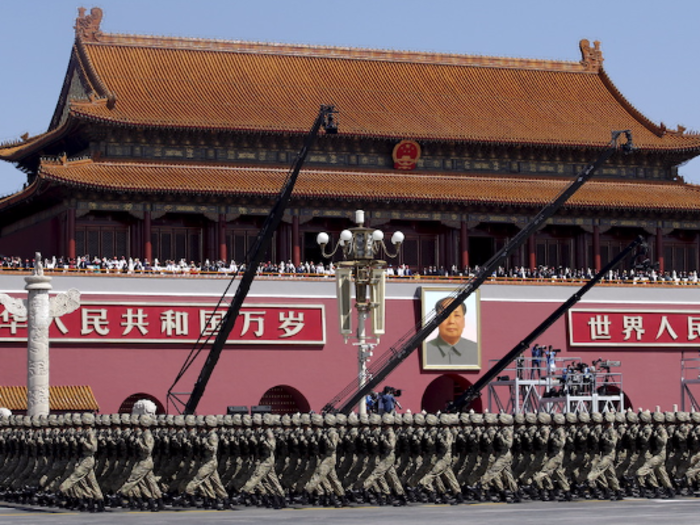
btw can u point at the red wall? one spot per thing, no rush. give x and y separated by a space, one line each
243 375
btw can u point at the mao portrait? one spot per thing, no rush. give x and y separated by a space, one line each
455 343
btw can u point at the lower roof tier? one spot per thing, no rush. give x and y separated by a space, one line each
362 185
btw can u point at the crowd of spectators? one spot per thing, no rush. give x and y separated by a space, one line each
129 265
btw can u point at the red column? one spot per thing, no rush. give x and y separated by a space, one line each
296 247
464 244
596 248
532 251
147 245
222 238
70 233
660 250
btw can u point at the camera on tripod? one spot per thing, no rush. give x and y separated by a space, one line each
605 365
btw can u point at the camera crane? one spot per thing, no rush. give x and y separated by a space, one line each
327 118
474 391
394 356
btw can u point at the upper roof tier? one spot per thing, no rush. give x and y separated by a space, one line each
186 83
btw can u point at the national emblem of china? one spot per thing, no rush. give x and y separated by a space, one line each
406 155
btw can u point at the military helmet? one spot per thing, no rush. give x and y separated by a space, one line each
543 418
419 419
597 417
695 416
571 418
317 420
584 417
407 418
559 419
341 419
645 416
505 419
210 421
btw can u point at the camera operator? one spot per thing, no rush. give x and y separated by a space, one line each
388 401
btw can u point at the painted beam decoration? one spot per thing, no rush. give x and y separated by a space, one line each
634 328
257 324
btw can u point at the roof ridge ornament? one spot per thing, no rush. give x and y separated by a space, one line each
591 56
87 27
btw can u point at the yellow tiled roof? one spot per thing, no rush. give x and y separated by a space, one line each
61 398
187 83
366 185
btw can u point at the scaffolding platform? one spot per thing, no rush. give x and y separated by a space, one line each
556 388
690 378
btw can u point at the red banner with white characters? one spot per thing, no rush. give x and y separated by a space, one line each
132 322
634 328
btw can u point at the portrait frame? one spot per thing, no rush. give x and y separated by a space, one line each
430 359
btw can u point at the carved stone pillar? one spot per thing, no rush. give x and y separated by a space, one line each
39 309
38 286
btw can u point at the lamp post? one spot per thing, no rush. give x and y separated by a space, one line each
361 247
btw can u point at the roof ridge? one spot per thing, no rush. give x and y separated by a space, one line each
341 52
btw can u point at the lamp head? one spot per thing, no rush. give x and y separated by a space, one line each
397 238
322 239
345 237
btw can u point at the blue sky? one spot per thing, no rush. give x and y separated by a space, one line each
650 47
